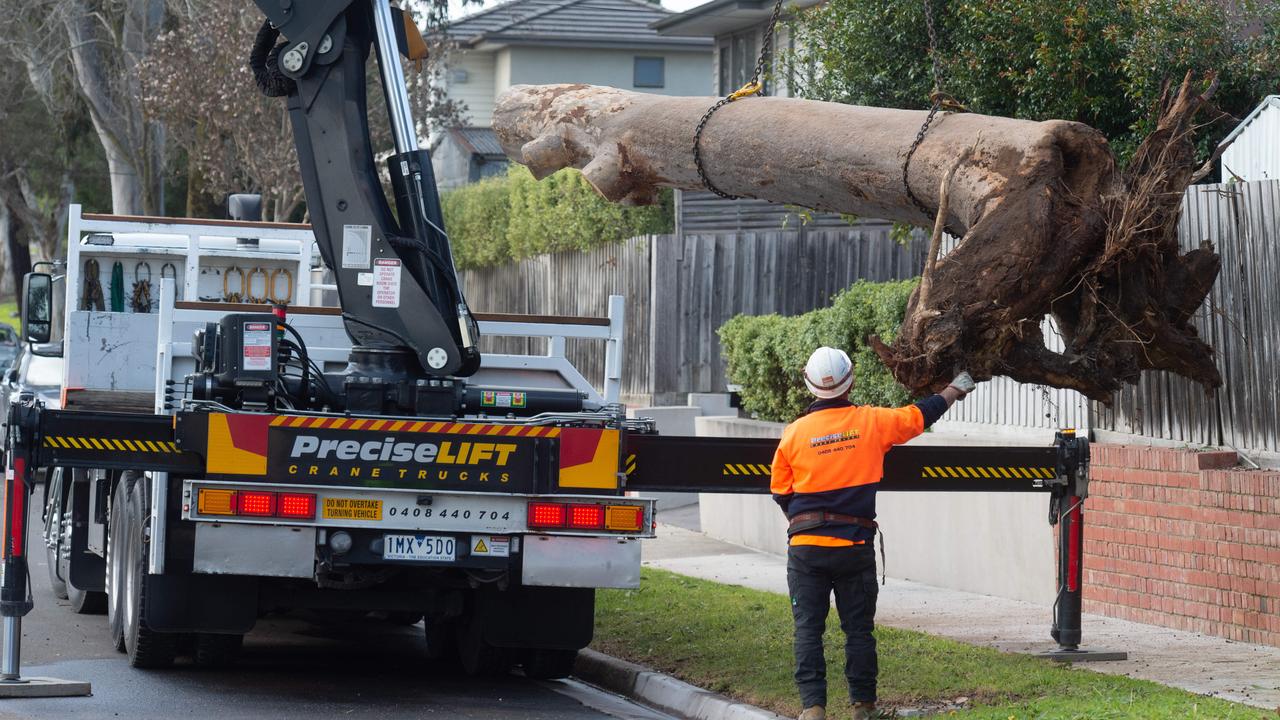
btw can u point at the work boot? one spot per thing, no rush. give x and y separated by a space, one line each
864 711
814 712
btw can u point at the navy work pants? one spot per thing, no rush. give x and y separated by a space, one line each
813 573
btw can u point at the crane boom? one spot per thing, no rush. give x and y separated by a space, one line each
394 271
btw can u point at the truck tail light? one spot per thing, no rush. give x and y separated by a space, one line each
214 501
255 503
547 515
297 506
586 517
624 517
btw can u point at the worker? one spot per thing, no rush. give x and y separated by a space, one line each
825 474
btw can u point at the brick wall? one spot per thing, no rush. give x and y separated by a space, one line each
1183 540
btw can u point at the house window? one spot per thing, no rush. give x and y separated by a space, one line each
738 55
650 72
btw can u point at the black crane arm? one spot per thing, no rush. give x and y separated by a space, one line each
394 270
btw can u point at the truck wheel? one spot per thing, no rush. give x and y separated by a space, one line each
53 532
217 651
116 554
147 648
59 587
549 663
83 602
478 657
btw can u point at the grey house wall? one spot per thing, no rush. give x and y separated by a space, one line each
686 73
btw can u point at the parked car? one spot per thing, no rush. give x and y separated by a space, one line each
9 346
40 374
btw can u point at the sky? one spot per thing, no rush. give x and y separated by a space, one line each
457 9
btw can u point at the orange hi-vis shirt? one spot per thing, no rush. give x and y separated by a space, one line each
832 460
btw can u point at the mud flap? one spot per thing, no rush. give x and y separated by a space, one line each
537 617
201 603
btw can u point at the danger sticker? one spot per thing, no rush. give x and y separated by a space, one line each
491 545
256 352
503 399
386 283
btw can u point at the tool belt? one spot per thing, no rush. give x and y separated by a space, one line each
801 522
810 520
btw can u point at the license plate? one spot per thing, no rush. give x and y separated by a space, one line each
418 547
352 509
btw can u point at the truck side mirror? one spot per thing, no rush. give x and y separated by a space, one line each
37 307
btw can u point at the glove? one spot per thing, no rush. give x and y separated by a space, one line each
963 383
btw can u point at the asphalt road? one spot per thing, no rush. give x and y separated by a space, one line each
291 667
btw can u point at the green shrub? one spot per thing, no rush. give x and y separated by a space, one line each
766 353
501 219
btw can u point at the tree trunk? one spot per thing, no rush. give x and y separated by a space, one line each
1037 204
106 70
14 230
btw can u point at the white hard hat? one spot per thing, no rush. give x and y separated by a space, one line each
829 373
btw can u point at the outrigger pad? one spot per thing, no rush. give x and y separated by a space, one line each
42 687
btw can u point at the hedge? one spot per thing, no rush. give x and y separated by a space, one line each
766 353
502 219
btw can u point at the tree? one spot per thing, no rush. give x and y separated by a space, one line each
1099 62
101 46
198 83
38 180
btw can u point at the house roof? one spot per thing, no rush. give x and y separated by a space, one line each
477 140
581 23
1270 101
722 16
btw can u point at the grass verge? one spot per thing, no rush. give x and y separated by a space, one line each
8 313
737 641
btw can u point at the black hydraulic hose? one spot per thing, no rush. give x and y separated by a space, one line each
264 60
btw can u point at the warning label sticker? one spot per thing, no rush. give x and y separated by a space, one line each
356 240
491 545
386 283
351 509
256 351
502 399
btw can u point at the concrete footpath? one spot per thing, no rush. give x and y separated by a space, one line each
1236 671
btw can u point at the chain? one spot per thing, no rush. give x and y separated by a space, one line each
753 87
938 99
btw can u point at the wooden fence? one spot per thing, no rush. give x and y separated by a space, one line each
579 284
701 281
1239 320
679 291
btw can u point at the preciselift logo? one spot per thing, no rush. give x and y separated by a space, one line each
389 450
834 438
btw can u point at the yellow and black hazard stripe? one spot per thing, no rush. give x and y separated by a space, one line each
988 472
631 464
106 444
754 469
423 426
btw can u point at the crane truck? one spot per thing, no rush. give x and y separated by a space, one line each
229 448
226 448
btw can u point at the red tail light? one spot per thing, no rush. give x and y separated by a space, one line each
255 503
586 517
547 515
298 506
